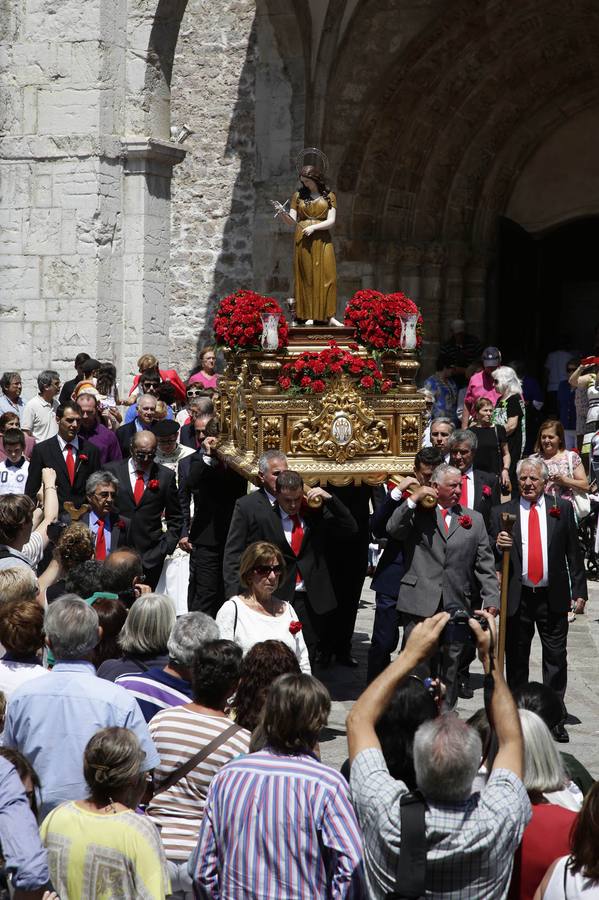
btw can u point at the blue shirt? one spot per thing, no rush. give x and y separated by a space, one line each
131 414
22 849
51 721
93 527
8 405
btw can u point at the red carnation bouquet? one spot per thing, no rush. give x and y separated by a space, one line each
308 372
237 323
377 319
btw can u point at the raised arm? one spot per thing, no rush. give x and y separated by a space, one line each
503 711
370 705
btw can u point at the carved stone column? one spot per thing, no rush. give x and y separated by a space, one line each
475 292
458 255
410 259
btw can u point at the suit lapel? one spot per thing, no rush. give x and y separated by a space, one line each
551 521
56 452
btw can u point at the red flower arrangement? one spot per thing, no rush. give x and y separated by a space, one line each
237 323
307 373
487 490
154 484
295 626
465 522
377 319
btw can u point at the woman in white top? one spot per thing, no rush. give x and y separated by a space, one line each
256 614
576 877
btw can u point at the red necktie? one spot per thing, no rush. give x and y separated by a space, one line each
445 513
70 461
100 541
138 491
535 549
297 536
464 494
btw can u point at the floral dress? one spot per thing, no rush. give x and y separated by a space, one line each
559 465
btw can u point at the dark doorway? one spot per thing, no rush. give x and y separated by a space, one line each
547 290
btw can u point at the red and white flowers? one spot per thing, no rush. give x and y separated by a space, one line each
377 319
308 373
237 323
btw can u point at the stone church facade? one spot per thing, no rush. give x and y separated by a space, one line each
440 119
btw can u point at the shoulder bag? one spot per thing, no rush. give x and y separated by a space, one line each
182 770
580 499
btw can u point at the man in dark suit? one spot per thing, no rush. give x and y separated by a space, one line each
72 458
448 560
147 492
390 567
146 411
299 531
546 573
111 531
479 490
215 488
201 410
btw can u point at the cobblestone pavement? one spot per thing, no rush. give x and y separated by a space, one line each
582 697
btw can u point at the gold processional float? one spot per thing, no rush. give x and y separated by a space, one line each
340 429
344 414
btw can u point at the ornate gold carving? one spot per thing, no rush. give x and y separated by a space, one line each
340 426
409 434
271 433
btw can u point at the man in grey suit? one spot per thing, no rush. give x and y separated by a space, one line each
448 562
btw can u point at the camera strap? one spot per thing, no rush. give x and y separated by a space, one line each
411 868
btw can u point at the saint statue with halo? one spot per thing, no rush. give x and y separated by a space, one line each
312 212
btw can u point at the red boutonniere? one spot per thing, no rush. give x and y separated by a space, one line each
555 512
121 524
295 626
83 457
486 490
465 522
154 484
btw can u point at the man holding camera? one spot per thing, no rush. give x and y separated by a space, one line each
456 843
448 564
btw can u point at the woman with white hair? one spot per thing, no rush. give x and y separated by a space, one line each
555 803
144 637
509 412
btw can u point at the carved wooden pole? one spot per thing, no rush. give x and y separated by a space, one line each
507 524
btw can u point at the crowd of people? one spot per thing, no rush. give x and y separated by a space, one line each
160 625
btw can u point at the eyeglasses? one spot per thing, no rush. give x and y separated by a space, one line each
102 495
264 571
144 454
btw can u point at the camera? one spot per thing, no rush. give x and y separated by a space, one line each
458 631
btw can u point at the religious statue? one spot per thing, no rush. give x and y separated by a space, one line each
312 212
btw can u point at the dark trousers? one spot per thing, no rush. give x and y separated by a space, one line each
206 591
444 664
553 632
385 635
315 627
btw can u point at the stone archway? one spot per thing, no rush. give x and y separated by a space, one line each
443 136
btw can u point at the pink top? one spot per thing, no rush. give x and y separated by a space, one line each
208 381
481 384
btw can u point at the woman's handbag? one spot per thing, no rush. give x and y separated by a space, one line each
580 499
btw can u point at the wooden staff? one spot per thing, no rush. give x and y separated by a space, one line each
507 524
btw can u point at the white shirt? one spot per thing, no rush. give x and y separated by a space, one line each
133 475
470 487
287 523
13 478
63 447
524 513
39 418
252 627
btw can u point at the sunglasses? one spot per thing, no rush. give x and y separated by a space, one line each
198 393
264 571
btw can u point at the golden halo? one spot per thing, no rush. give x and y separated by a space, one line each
300 159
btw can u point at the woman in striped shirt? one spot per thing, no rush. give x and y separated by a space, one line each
181 733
